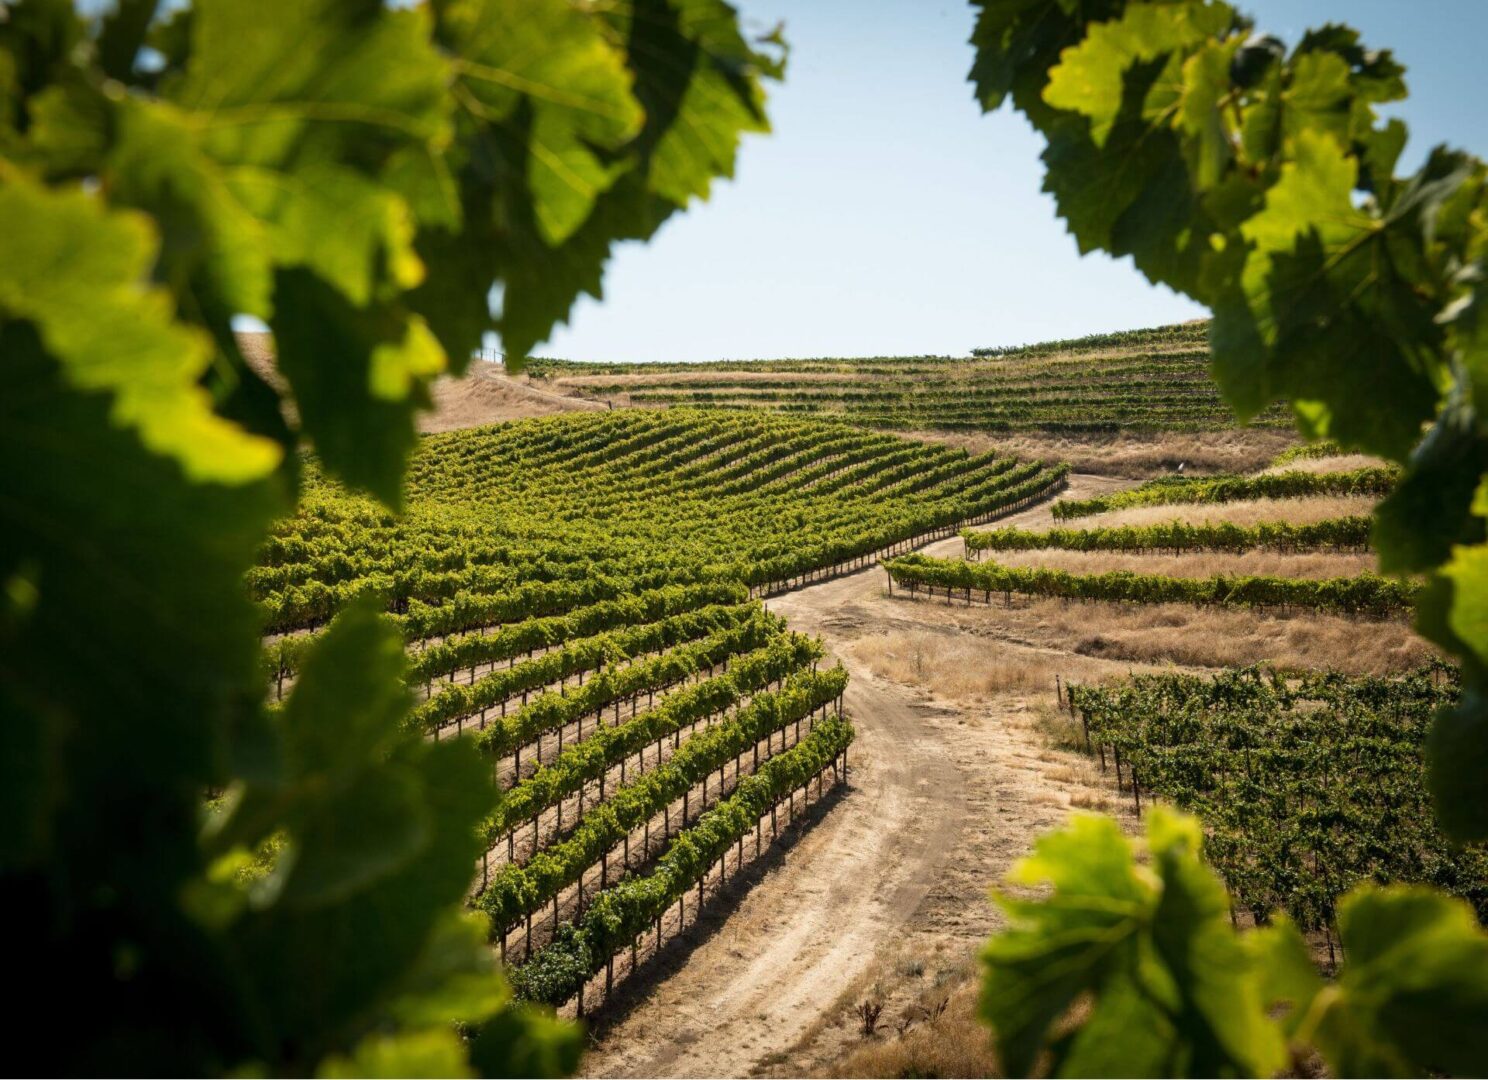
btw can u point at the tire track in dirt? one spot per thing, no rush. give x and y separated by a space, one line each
809 934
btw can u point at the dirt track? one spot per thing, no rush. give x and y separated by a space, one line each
886 893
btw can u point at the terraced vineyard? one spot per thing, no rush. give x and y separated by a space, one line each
578 597
1149 380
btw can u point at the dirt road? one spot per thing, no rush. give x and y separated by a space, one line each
885 895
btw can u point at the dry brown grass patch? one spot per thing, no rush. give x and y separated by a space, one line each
1213 638
1332 463
953 665
954 1043
1245 512
1196 565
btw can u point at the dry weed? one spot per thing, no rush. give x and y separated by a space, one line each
1333 463
1091 800
1198 564
952 665
1247 512
868 1013
948 1040
1059 729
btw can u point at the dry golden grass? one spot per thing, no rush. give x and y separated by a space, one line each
967 667
1335 463
1197 564
954 1044
1246 512
1188 636
1134 455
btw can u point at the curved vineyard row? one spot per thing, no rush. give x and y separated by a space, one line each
1177 537
1367 594
621 914
1372 481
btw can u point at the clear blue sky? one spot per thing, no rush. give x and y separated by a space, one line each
885 215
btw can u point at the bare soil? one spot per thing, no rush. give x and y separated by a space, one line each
963 758
885 897
486 396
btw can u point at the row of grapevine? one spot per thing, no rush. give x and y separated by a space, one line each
1365 594
1373 481
1191 333
1323 448
621 914
1176 537
516 891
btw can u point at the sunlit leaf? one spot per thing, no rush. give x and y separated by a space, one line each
81 275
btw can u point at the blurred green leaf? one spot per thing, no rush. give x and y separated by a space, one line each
434 1052
1412 997
1152 950
80 273
364 177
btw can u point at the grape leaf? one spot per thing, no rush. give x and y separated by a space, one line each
1090 78
156 163
1154 947
364 428
380 837
432 1052
1318 281
1457 745
1412 997
1018 42
79 272
569 69
698 84
1430 510
129 686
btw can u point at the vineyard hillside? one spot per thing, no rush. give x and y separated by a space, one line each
735 669
672 635
583 597
1131 403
